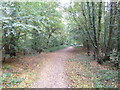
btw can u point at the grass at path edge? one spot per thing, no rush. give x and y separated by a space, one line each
52 49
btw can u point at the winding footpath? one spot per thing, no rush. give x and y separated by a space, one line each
52 73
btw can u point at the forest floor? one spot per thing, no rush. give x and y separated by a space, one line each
53 73
65 68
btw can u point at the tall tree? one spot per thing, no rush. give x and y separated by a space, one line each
99 32
111 26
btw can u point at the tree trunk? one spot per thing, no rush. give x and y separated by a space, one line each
118 28
105 28
12 45
92 26
99 34
112 22
88 48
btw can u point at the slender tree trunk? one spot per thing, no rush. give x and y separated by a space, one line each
88 48
99 33
112 22
118 28
87 28
12 43
93 23
24 52
105 28
92 27
5 45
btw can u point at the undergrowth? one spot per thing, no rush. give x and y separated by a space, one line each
99 77
14 78
52 49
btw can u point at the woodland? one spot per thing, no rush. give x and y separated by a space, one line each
81 39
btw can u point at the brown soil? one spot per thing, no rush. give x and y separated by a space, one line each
53 72
64 68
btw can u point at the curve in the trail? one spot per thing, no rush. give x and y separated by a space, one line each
52 73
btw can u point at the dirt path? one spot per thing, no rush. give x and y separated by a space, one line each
52 73
66 68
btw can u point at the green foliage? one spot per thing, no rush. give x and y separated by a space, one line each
31 25
43 26
77 47
10 80
7 67
54 48
94 25
101 78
